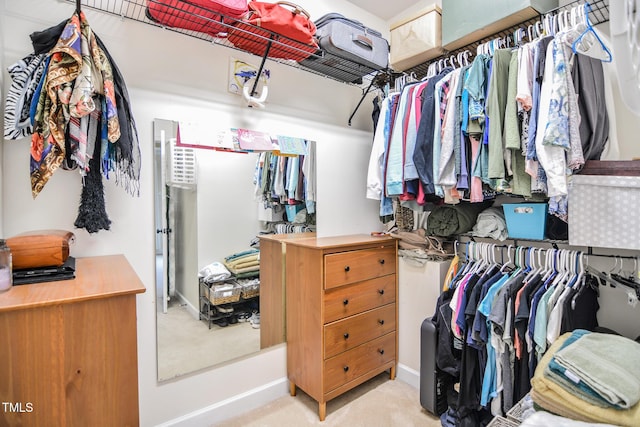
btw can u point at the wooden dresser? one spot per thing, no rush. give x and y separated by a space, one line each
68 349
341 305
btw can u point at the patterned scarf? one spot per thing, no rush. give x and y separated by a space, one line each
78 104
79 71
52 112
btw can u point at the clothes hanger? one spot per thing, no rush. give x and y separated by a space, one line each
431 70
546 24
530 32
518 36
509 262
539 29
563 21
452 61
589 42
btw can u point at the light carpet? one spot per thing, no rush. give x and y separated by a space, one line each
379 402
187 345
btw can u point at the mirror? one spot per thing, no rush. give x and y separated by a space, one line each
207 215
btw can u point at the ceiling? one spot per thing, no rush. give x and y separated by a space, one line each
388 9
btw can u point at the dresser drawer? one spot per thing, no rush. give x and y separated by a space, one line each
348 333
355 266
346 301
356 362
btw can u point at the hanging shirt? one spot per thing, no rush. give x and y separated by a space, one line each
441 99
423 153
376 159
450 127
588 81
476 86
410 171
532 167
551 157
395 152
495 109
525 76
514 158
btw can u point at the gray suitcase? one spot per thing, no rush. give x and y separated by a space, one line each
348 49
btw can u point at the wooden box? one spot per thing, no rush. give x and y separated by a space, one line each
44 248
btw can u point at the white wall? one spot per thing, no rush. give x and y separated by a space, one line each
419 287
2 92
171 76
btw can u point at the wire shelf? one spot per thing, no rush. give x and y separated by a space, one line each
598 14
230 32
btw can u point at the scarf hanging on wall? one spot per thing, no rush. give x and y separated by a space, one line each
78 113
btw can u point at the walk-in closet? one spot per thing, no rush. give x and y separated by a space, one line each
409 213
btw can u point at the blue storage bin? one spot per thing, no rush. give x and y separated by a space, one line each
525 220
292 210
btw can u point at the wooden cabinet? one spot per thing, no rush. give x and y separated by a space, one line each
69 348
341 305
273 248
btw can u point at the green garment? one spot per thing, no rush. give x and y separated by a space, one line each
495 108
520 180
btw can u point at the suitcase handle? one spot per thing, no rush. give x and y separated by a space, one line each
296 9
362 40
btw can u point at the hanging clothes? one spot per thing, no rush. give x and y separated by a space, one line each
498 322
423 154
509 123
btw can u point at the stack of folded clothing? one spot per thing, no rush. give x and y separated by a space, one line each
244 264
491 223
214 272
590 377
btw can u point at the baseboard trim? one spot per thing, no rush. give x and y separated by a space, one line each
408 375
193 311
233 406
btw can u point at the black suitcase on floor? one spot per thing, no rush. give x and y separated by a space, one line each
433 393
348 49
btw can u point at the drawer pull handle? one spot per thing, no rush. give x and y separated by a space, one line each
346 335
381 351
347 268
381 321
346 368
382 261
345 302
381 291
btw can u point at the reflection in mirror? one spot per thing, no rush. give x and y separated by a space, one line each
215 301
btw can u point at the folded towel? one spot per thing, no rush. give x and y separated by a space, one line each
245 264
556 373
545 419
608 364
242 259
556 399
243 253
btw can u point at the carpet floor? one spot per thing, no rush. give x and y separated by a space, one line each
378 402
